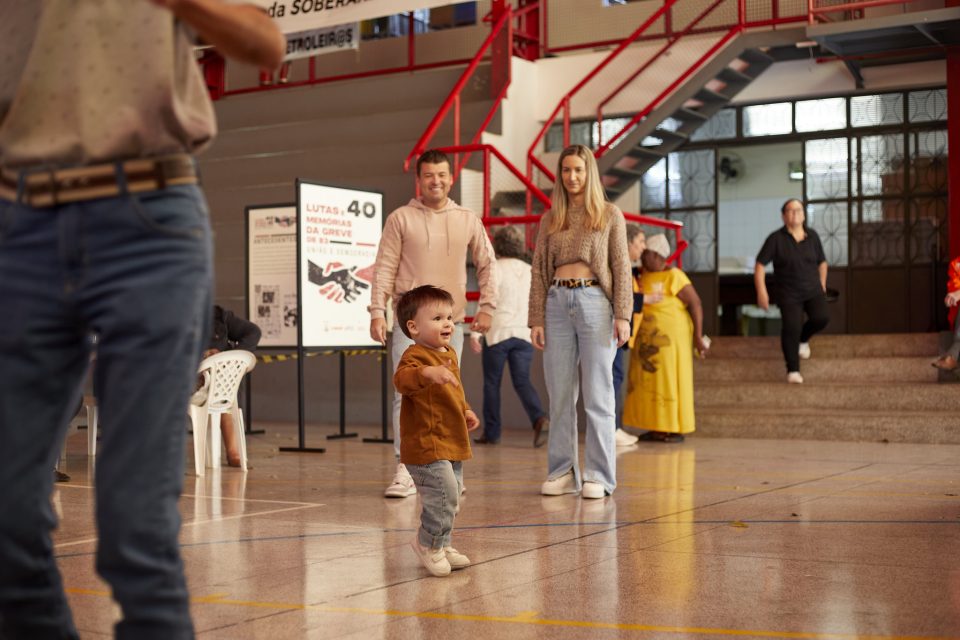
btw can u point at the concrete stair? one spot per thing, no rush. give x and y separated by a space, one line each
857 388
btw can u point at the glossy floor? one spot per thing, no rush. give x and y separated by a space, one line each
707 539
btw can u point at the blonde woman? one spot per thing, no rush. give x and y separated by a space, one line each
581 300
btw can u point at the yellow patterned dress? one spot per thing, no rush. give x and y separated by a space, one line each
660 387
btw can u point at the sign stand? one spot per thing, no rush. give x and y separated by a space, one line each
383 403
343 402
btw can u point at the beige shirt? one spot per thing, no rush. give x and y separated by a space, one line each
422 246
89 81
604 250
513 293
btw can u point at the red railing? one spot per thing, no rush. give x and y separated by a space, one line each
502 24
820 10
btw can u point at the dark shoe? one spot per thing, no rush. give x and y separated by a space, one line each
485 440
540 427
660 436
60 476
945 363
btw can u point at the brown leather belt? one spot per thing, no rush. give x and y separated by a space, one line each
575 283
62 186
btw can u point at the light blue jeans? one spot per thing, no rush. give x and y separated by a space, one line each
438 485
579 330
398 344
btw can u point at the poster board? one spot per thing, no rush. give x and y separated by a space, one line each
272 273
338 231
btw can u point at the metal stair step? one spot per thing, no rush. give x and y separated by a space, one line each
709 95
729 75
756 56
646 153
688 115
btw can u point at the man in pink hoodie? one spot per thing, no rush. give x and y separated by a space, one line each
426 242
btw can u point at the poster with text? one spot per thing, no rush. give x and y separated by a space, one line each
339 232
272 273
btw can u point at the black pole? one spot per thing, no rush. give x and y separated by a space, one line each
383 402
248 406
343 402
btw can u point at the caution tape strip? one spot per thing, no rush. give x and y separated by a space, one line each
283 357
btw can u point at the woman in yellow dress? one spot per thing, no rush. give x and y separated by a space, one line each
660 388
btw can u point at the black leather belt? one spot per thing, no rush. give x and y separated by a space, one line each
42 188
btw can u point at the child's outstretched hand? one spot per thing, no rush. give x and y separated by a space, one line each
440 375
472 420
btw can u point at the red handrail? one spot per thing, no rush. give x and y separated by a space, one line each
565 101
670 42
453 99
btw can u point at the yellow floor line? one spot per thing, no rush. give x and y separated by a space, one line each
529 617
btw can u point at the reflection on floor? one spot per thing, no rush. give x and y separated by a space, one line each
710 538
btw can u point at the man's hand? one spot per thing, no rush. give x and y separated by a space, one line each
210 352
378 330
952 298
481 322
537 337
621 331
472 420
439 375
475 345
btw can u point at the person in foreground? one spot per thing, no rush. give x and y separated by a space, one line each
581 302
104 230
508 340
427 240
434 421
800 268
660 387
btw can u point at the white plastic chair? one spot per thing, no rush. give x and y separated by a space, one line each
90 406
222 374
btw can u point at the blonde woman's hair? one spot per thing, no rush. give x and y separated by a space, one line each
594 201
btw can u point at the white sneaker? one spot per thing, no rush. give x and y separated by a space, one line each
402 484
456 559
804 350
592 490
625 439
794 377
559 486
435 560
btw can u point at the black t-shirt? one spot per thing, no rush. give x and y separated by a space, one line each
795 264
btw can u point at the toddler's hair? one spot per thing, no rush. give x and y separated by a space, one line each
412 300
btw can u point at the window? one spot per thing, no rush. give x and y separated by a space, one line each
822 115
870 111
768 119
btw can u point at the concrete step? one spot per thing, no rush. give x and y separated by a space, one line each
818 369
831 346
928 427
827 396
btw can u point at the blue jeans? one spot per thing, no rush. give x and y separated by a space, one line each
519 353
438 485
399 343
579 331
136 271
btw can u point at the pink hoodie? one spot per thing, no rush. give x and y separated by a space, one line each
422 246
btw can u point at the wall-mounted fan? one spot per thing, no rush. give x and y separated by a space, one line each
730 168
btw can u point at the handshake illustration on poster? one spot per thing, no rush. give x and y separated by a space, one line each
338 282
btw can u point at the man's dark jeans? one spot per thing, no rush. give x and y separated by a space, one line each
519 353
136 271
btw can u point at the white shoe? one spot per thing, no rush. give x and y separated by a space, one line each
559 486
804 350
435 560
592 490
402 484
794 377
625 439
456 559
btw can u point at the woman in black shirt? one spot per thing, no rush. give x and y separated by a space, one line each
801 274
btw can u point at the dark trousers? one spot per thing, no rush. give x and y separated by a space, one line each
794 330
519 353
135 270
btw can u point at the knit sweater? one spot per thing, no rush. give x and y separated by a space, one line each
423 246
604 250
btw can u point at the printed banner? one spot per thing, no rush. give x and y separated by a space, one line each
272 273
301 15
304 44
339 230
